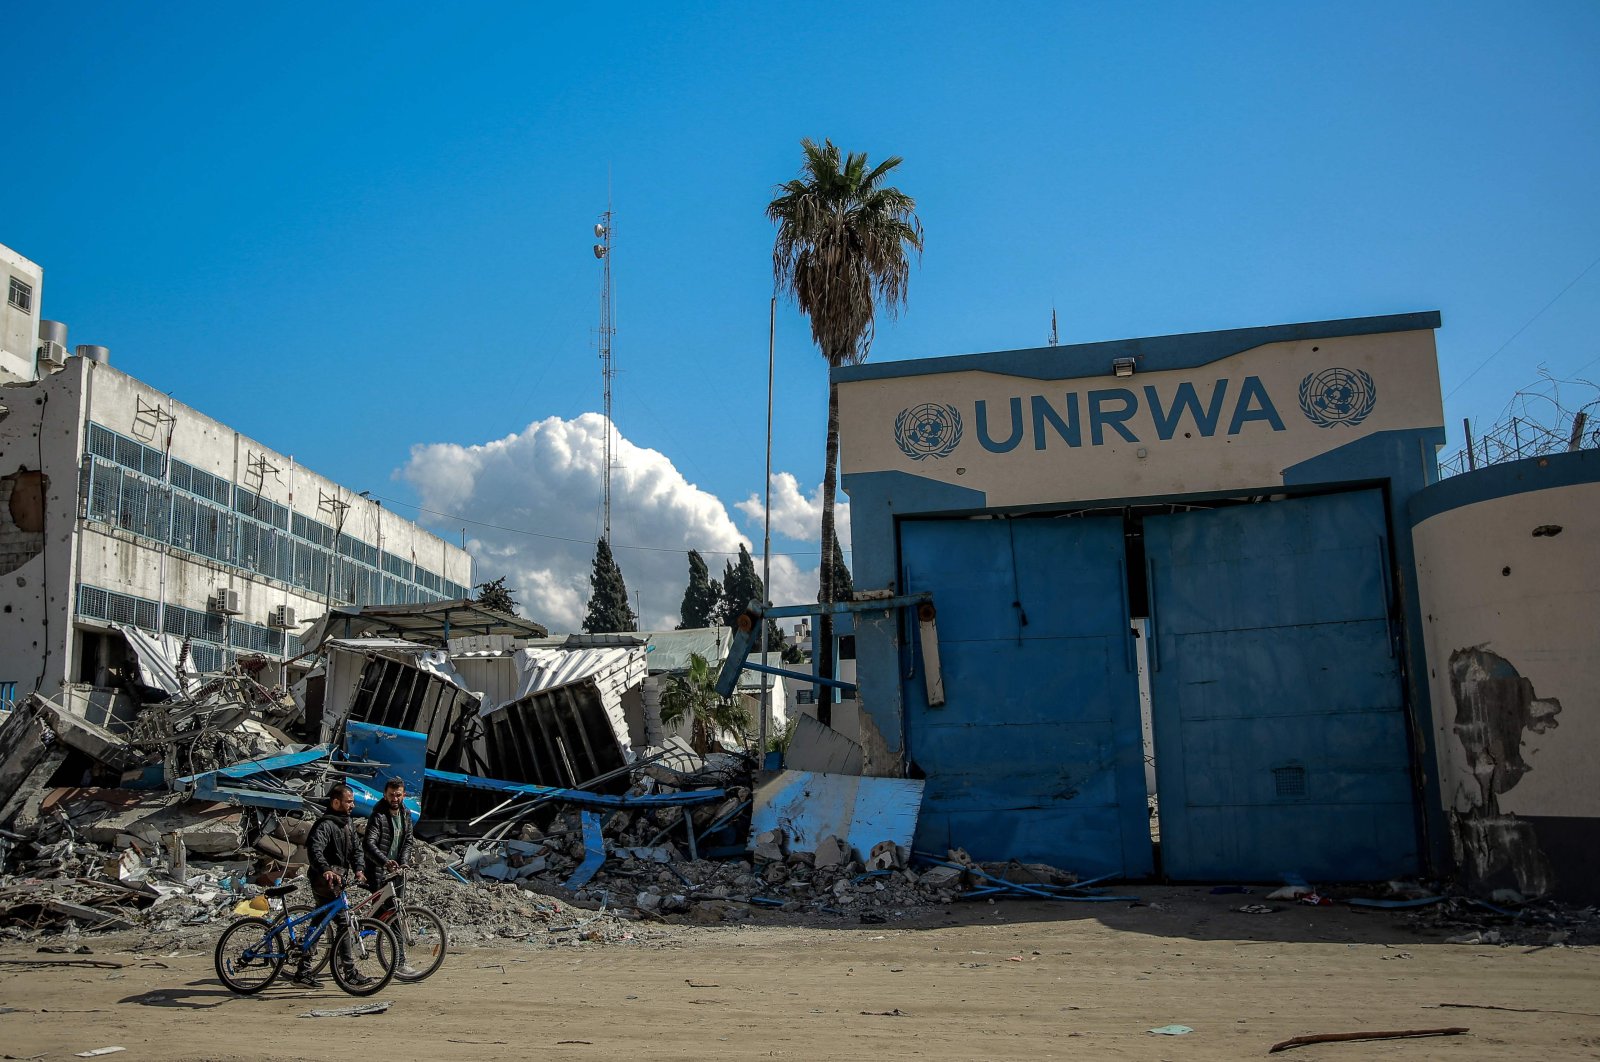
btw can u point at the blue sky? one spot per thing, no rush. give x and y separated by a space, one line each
353 229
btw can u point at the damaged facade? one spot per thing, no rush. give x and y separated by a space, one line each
119 505
1230 540
1508 564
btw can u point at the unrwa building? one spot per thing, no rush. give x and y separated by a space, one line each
1221 517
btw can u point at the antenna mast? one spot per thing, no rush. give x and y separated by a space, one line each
1054 338
608 328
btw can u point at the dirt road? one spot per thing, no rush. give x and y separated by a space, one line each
1001 981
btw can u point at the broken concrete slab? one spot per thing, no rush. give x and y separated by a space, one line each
861 811
815 747
831 851
112 818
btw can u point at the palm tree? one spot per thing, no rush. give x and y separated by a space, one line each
841 252
692 694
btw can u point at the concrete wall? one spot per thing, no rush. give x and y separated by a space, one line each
1511 621
19 330
123 404
44 428
40 432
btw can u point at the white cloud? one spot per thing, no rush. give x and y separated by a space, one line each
797 515
546 479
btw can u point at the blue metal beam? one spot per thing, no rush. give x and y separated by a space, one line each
580 797
594 851
747 636
805 676
839 608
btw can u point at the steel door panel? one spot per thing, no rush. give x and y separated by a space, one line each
1077 670
997 836
1298 673
1078 766
1277 701
1036 753
1339 759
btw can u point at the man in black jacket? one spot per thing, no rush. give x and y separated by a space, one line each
386 847
333 852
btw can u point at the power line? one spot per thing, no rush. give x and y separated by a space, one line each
458 518
1524 328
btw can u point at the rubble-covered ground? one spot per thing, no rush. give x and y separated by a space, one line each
1006 980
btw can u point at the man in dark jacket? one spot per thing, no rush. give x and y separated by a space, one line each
333 852
386 847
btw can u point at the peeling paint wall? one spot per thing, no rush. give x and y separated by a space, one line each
1509 584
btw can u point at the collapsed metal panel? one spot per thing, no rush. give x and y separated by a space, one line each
559 737
568 726
401 696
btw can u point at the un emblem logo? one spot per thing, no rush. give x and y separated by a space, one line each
1337 396
928 430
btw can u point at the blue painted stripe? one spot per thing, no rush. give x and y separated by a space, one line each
1504 481
1153 354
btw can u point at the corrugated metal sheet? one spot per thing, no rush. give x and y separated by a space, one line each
566 723
157 659
435 662
544 670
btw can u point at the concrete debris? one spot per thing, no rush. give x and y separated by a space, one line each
170 811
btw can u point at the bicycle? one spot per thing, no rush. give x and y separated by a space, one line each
421 933
251 952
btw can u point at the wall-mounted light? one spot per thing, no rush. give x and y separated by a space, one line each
1122 367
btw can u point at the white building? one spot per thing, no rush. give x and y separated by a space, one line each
120 505
19 319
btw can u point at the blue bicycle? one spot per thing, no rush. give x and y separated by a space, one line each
251 952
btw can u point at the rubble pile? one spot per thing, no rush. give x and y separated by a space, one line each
647 880
1512 920
166 821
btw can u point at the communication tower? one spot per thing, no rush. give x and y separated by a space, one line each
608 371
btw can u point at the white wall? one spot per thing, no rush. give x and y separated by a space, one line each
19 331
1511 626
120 402
41 431
37 649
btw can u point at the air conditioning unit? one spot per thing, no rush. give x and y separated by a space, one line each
225 601
52 354
282 617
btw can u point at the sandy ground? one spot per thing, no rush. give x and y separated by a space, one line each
978 981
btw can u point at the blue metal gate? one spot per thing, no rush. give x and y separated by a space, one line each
1277 703
1036 754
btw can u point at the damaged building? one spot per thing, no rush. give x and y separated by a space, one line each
1231 554
122 506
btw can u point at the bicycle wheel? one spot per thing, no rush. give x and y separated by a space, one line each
371 961
425 940
249 955
320 949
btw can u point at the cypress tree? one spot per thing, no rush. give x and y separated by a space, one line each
702 597
608 603
741 584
